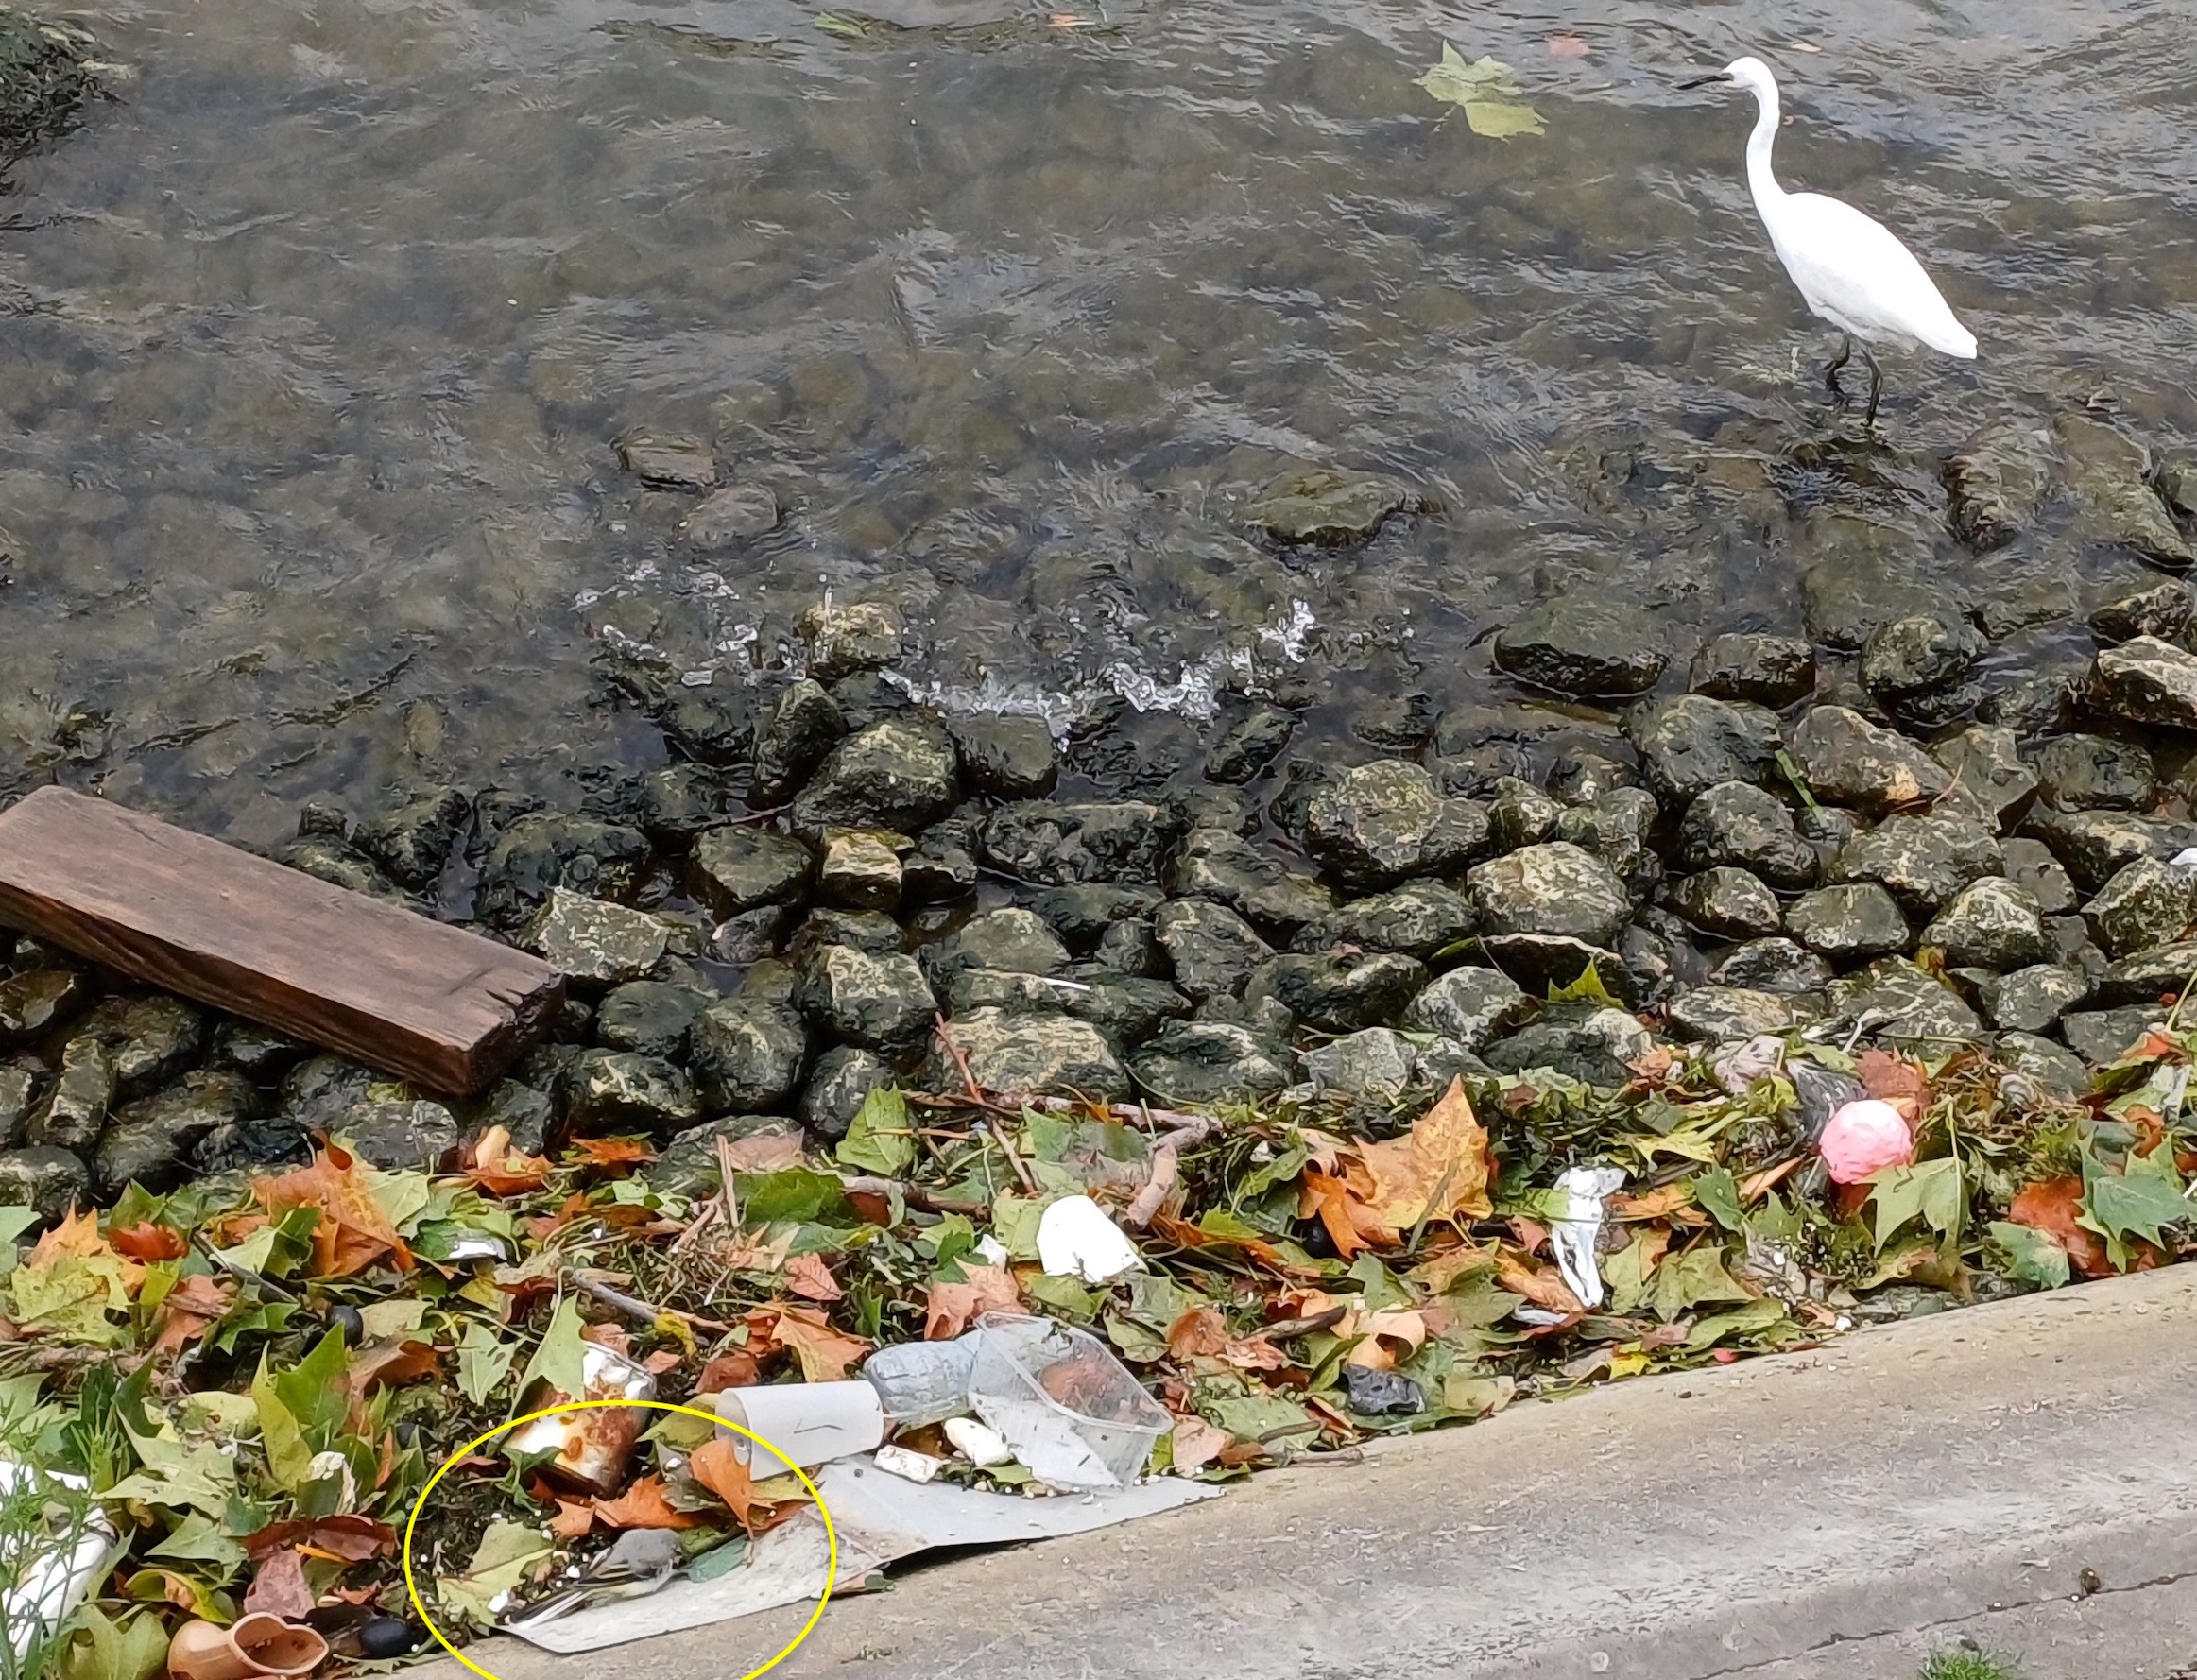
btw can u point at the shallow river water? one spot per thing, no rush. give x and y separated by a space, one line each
313 347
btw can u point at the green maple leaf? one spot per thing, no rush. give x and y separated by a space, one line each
1487 90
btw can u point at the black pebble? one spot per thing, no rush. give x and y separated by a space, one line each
1382 1394
386 1637
347 1320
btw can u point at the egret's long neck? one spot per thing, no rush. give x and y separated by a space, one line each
1759 181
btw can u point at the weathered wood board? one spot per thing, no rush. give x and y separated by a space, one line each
435 1004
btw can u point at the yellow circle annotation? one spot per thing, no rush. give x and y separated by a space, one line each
831 1533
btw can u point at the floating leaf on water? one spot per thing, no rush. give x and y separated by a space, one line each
1486 90
839 23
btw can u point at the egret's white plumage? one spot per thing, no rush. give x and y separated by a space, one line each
1851 270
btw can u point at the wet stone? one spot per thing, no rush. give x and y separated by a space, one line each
1923 860
1582 645
18 1097
1128 1009
1917 654
1619 828
1212 950
2161 611
667 460
1209 1062
1773 966
1268 1017
1082 914
713 724
941 869
1010 757
670 805
860 636
1400 724
843 1079
1738 825
1328 509
2145 682
2094 845
2148 976
414 841
1903 1003
1873 575
1476 771
2091 773
1592 1045
1131 947
649 1016
1582 776
147 1040
1030 1054
50 1181
859 930
1689 744
1543 960
1849 923
540 852
1335 993
1001 988
1228 808
868 697
1718 1013
2058 1070
2031 999
747 1055
1064 845
1013 940
1418 919
1249 744
2110 478
1985 762
739 869
1996 483
730 518
2042 703
804 725
2030 862
1846 759
399 1136
1519 814
2102 1035
688 1166
751 936
625 1090
1471 1005
594 942
898 775
877 1002
1229 869
341 865
1555 889
1383 822
2146 903
861 871
320 1088
530 1116
1773 671
1373 1063
35 1002
1991 924
1728 903
149 1142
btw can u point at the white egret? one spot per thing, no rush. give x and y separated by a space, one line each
1852 271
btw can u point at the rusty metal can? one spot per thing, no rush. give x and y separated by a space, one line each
594 1447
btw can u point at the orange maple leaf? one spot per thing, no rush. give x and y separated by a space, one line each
148 1241
808 1276
612 1151
575 1519
192 1309
1201 1330
1331 1199
1438 1170
1197 1443
2050 1206
734 1368
1544 1289
716 1465
643 1505
824 1352
76 1237
353 1233
952 1306
493 1165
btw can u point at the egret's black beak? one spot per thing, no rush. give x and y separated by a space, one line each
1701 81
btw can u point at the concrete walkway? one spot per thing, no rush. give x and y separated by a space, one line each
2019 1475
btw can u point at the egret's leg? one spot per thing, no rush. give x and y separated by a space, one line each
1875 386
1837 364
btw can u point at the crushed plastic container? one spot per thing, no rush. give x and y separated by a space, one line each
920 1383
1072 1412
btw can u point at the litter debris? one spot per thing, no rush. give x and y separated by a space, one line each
255 1647
586 1451
1382 1394
1066 1407
1577 1232
981 1445
920 1383
810 1422
908 1464
1864 1137
1075 1238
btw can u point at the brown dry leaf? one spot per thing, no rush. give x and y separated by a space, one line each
1439 1169
1651 1245
734 1368
1201 1330
1322 1149
495 1166
643 1505
1545 1289
825 1353
808 1276
1659 1202
612 1151
279 1588
575 1519
750 1252
353 1233
1379 1328
393 1365
663 1359
716 1465
766 1152
1567 46
148 1241
612 1336
1894 1079
954 1306
351 1538
76 1237
1350 1224
1197 1443
1757 1185
193 1308
2050 1207
1439 1274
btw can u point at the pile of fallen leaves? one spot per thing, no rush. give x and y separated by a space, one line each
256 1378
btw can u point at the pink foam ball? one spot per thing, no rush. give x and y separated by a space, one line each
1866 1136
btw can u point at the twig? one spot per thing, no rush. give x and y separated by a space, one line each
1166 1173
999 1135
619 1302
960 1057
916 1196
1303 1326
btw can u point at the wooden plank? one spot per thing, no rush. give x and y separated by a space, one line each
435 1004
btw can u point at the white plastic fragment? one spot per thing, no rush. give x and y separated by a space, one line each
1576 1235
979 1443
1075 1238
59 1573
906 1462
2184 859
812 1423
991 1251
